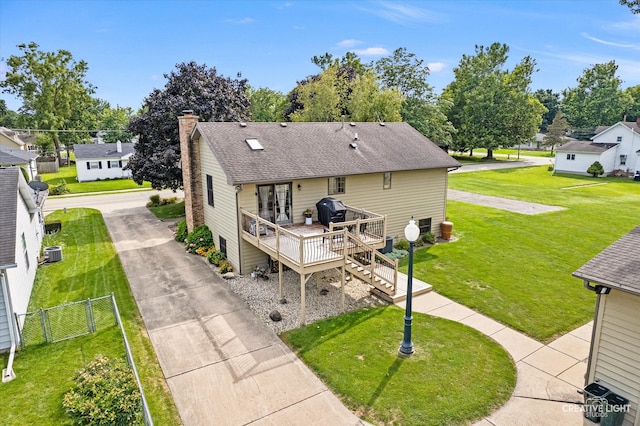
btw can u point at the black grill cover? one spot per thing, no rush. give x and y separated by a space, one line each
330 210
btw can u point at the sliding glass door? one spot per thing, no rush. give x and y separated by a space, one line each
274 203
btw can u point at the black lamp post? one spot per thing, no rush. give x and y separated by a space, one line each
411 233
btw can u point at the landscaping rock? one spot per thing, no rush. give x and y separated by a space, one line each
324 292
283 301
228 275
275 316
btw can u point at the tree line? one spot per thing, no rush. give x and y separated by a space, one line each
486 106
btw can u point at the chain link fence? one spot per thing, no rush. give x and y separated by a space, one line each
63 322
48 325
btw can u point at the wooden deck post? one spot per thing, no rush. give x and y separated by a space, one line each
303 304
280 277
342 287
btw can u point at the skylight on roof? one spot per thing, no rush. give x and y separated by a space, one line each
254 144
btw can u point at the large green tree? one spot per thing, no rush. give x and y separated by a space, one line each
634 5
113 123
55 94
633 113
492 106
189 87
597 100
266 104
551 102
408 74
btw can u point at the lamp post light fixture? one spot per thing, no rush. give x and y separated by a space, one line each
411 233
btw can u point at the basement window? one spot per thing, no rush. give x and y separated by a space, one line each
424 225
254 144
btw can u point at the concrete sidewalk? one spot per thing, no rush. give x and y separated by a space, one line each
548 376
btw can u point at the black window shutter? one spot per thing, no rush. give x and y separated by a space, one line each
108 164
120 163
88 165
99 164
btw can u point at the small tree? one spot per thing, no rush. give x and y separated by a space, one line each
596 169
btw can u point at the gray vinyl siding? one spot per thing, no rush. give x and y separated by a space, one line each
5 338
617 349
221 219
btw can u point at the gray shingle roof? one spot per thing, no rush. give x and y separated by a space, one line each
101 150
15 156
10 134
8 214
617 266
584 146
311 150
633 125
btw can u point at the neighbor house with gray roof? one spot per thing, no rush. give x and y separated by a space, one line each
614 275
251 183
20 158
616 147
102 161
21 231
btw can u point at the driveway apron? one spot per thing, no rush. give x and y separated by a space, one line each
222 365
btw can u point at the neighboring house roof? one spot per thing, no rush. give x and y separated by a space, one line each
312 150
11 185
102 150
13 136
15 156
617 266
633 125
585 146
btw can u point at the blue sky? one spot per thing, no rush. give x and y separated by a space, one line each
129 45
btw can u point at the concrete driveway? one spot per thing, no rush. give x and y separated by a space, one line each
222 365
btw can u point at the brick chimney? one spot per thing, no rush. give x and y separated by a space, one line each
191 173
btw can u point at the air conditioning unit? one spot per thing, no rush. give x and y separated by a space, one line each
53 254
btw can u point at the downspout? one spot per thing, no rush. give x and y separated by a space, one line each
7 373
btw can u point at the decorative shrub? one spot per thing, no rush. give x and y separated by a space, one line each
225 267
595 169
170 200
154 200
428 238
59 189
52 226
204 251
200 237
402 245
216 257
397 254
105 393
181 232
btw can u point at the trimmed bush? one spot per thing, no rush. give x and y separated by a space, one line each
200 237
428 238
105 393
59 189
52 226
402 245
216 257
596 169
181 232
397 254
154 200
225 267
170 200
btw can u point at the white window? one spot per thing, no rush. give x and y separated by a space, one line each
386 181
619 139
623 159
91 165
571 156
24 249
114 164
337 185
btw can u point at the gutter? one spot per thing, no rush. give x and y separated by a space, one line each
7 373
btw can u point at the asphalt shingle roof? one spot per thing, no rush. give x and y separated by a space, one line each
312 150
15 156
8 214
584 146
101 150
617 266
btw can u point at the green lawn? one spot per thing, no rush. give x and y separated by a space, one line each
517 268
90 268
169 211
456 375
69 175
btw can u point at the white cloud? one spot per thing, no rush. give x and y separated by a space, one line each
436 66
404 14
245 20
626 26
349 43
372 51
610 43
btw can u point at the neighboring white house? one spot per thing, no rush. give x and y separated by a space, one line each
18 157
21 231
13 140
616 147
102 161
614 358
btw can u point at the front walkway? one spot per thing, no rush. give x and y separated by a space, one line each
548 376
